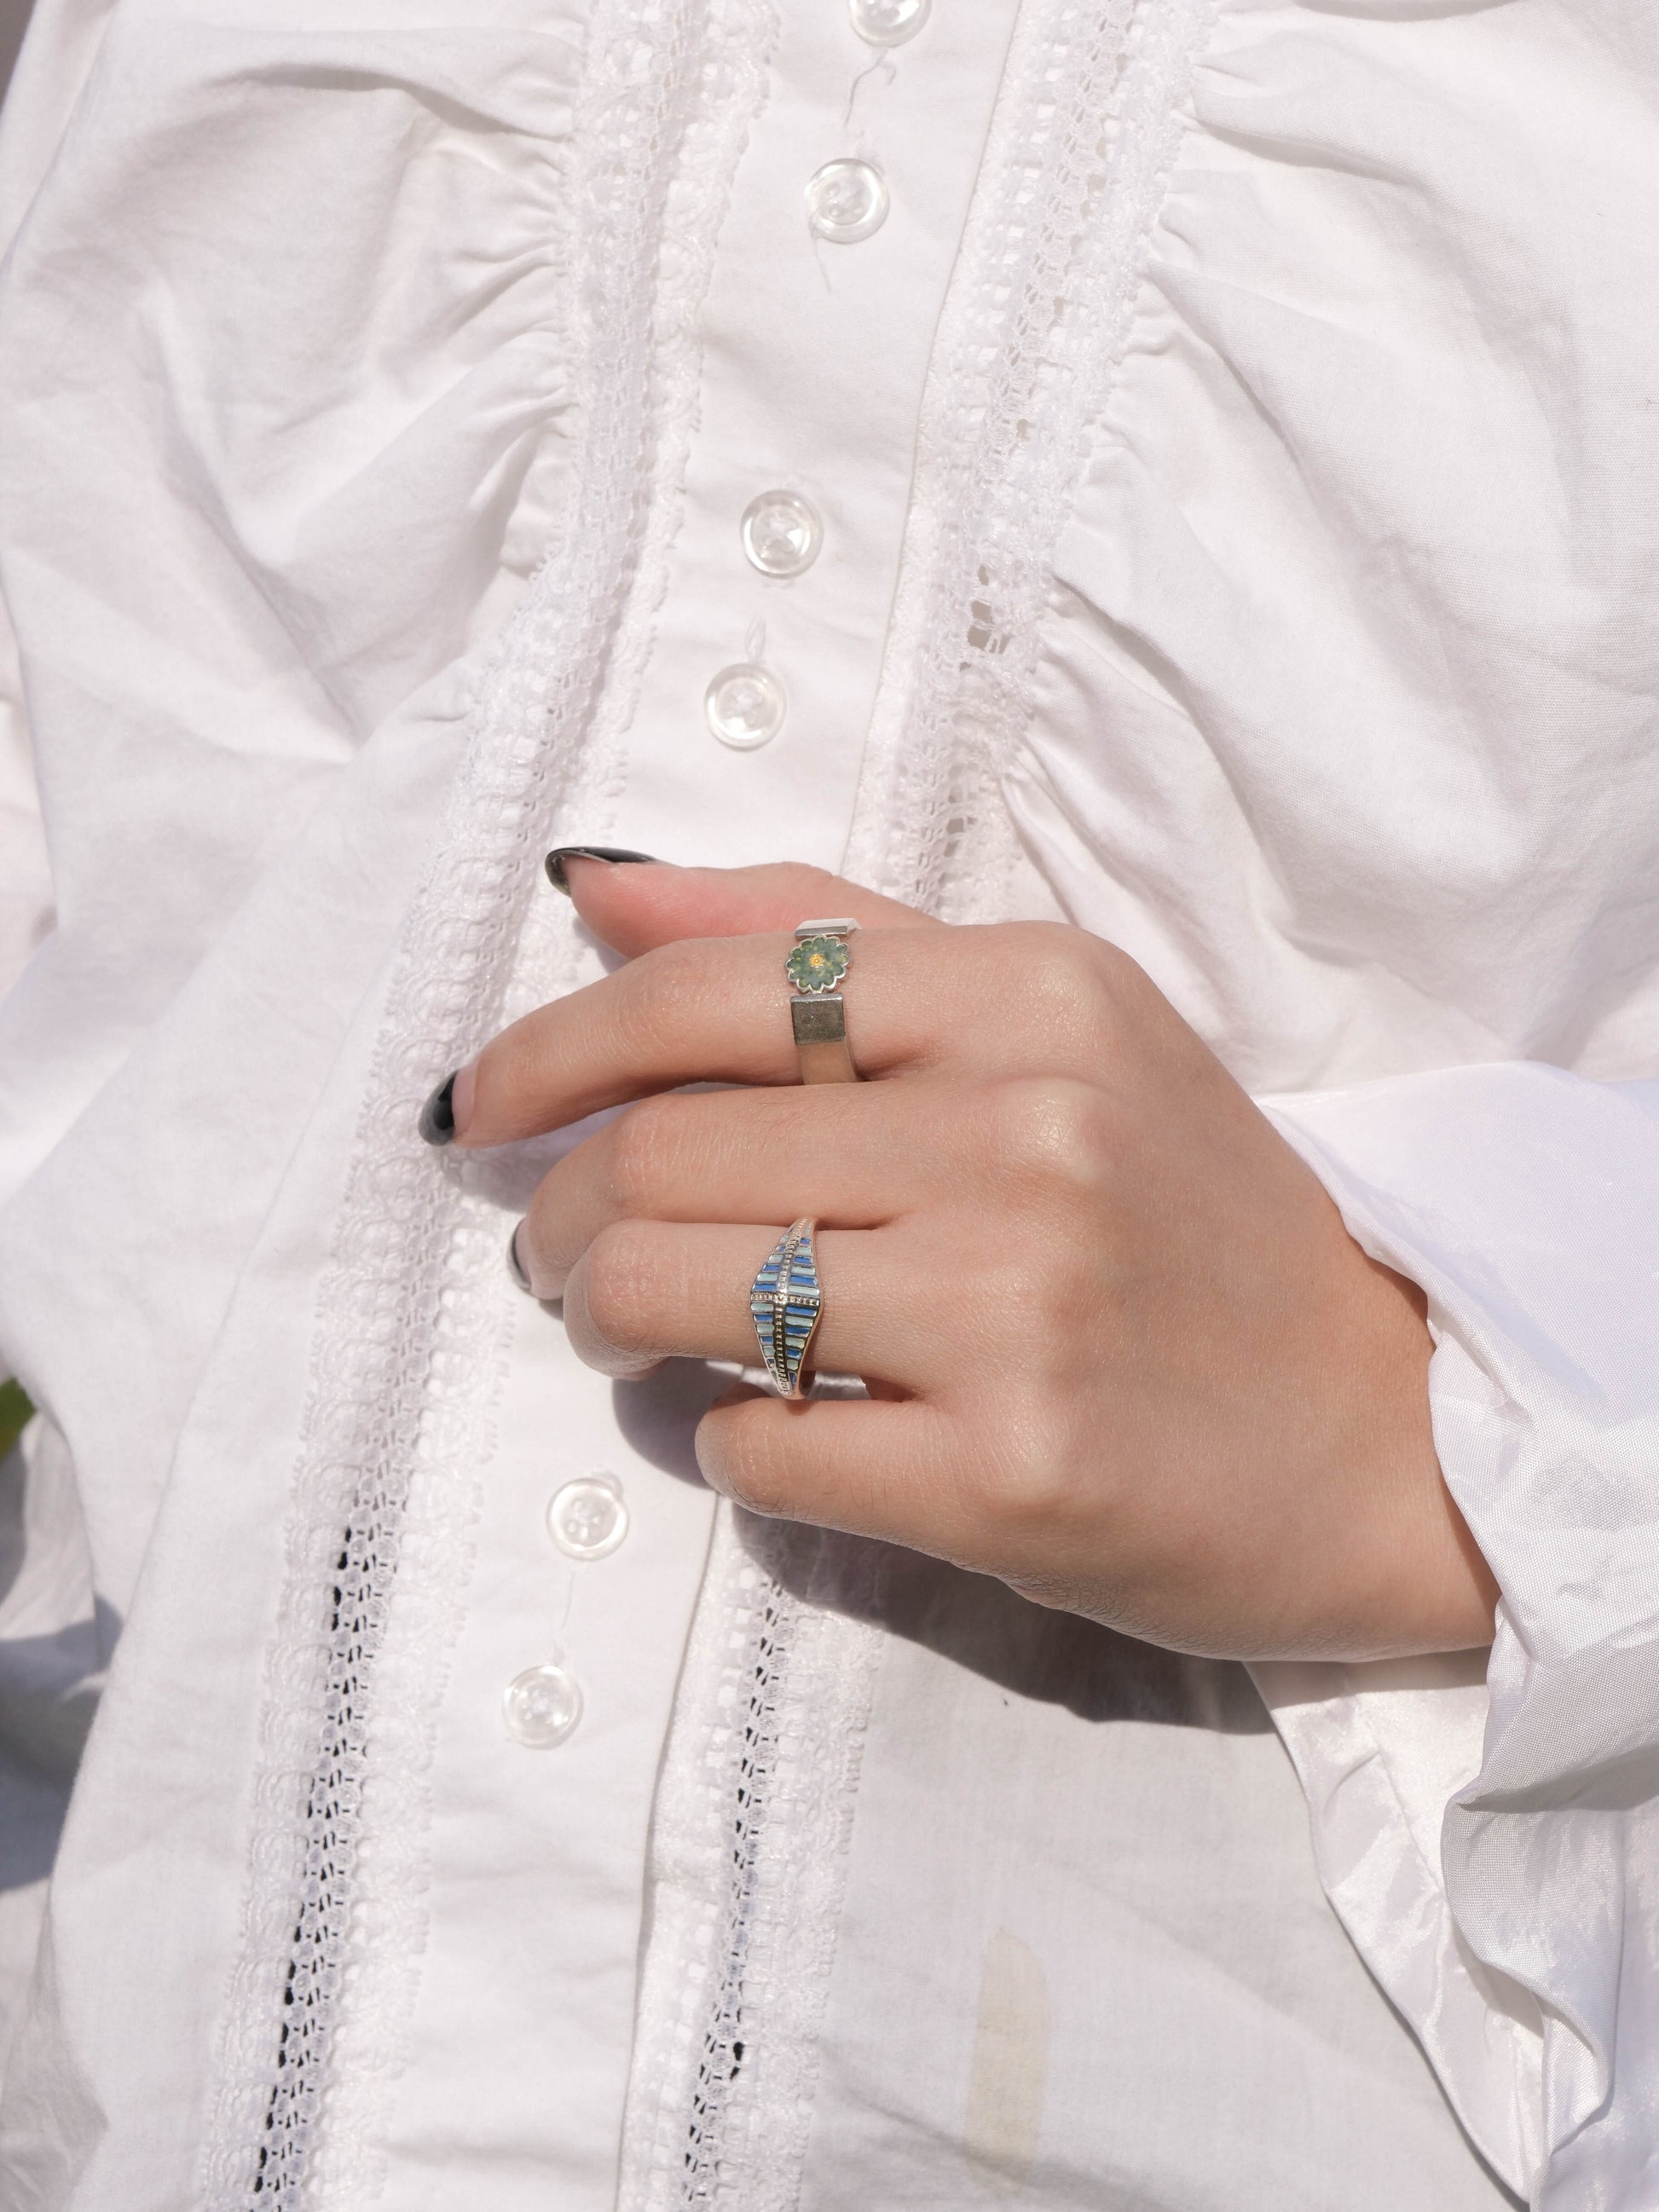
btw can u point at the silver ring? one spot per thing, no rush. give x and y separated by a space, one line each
786 1299
821 957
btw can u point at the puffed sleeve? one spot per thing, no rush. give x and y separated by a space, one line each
270 485
57 49
25 875
1509 1908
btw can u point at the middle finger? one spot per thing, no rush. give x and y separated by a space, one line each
854 1156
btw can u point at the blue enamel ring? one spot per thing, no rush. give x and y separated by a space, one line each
786 1298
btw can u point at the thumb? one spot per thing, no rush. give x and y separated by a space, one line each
636 904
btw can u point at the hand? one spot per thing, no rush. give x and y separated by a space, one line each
1119 1349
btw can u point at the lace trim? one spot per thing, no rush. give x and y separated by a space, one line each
749 1860
1086 127
411 1319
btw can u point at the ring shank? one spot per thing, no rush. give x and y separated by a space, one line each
821 1039
819 1017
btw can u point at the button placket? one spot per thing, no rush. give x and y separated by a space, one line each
746 704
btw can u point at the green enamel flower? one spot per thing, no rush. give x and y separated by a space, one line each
817 963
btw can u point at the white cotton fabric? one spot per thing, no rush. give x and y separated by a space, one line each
1306 608
1546 1846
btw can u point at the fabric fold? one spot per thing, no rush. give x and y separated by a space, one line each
1525 1201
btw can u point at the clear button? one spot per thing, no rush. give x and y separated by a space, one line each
744 705
781 533
888 22
846 201
587 1519
541 1707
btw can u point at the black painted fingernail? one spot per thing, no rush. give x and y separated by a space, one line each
556 860
438 1115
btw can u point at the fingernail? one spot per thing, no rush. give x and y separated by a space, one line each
556 860
438 1115
515 1265
445 1115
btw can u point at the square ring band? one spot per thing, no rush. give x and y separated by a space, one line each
822 955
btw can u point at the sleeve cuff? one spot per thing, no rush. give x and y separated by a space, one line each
1489 1846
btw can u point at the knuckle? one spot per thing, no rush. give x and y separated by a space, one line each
1069 978
1031 1481
814 890
737 1449
616 1275
659 983
510 1071
1054 1131
640 1143
1040 1294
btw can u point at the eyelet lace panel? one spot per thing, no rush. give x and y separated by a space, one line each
748 1853
412 1312
1086 126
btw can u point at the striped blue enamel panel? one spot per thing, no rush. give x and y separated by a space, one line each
784 1317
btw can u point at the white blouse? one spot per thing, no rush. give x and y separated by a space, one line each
1200 465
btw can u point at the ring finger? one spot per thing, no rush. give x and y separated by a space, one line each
648 1290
